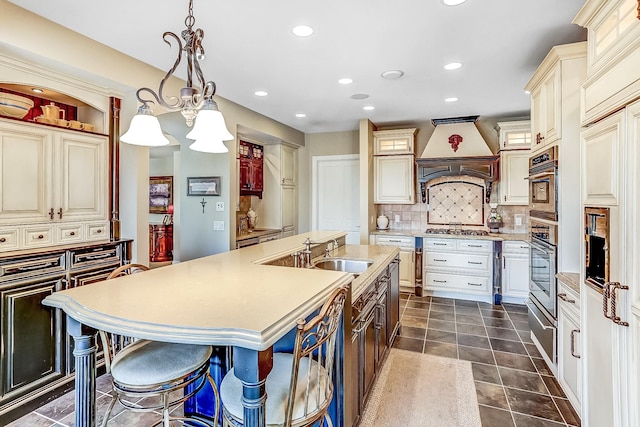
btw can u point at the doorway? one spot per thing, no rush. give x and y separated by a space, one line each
335 195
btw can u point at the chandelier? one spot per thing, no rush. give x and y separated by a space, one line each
195 103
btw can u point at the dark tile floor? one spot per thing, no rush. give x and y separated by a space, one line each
515 388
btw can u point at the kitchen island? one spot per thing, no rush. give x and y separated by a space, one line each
230 299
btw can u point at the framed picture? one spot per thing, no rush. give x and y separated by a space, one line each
160 194
203 186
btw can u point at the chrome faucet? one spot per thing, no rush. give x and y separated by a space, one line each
307 253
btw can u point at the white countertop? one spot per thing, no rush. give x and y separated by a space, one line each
224 299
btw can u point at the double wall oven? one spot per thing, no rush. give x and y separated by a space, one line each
543 203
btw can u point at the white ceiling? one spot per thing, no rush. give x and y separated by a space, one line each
249 47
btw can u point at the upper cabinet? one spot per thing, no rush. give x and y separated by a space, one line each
394 166
251 169
393 142
613 56
54 186
515 143
515 135
554 90
288 164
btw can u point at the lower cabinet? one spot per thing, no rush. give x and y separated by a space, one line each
515 271
375 323
36 358
407 266
569 345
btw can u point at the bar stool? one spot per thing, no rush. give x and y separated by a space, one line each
300 385
146 374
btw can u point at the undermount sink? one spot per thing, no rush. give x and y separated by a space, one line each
354 266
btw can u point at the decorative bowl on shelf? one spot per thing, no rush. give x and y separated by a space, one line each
14 105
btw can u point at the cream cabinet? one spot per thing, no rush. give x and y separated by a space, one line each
601 144
407 257
515 271
569 344
613 56
393 142
279 208
54 186
513 187
515 135
394 166
453 268
394 179
554 89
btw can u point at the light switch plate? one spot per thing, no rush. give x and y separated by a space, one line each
397 218
219 206
218 225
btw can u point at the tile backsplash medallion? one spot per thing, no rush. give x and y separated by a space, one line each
461 200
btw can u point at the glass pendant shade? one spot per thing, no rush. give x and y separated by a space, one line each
145 130
209 131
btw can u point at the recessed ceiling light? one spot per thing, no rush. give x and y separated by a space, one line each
527 92
392 74
368 108
260 93
301 115
452 99
302 30
359 96
345 81
453 66
453 2
37 90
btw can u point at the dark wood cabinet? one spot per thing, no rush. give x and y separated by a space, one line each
251 169
36 358
393 301
160 242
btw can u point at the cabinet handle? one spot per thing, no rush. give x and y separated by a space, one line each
474 246
505 198
3 239
395 240
439 244
440 260
614 299
36 266
60 213
439 281
572 342
605 300
474 284
504 263
524 247
564 298
474 262
51 214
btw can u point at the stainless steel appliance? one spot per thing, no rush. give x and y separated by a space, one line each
542 285
543 190
596 246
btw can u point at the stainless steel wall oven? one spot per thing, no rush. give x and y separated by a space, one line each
542 285
543 190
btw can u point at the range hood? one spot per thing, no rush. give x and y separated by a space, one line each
456 148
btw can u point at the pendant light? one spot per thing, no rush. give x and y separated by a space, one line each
195 103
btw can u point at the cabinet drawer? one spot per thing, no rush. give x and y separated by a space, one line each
16 268
515 247
439 245
456 282
101 255
69 233
569 299
451 260
9 239
92 276
475 245
38 236
97 231
398 241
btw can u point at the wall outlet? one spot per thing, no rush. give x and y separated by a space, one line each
219 206
396 218
218 225
518 219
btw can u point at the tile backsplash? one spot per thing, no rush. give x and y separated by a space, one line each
467 201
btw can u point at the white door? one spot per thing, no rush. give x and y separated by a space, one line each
336 196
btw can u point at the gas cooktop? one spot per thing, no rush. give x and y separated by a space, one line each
463 232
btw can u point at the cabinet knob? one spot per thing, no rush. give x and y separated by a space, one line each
2 239
51 214
73 233
99 230
60 213
40 236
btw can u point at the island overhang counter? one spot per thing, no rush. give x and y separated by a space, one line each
229 299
